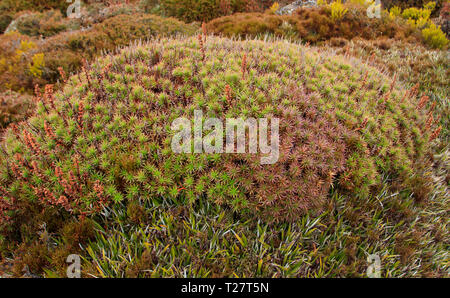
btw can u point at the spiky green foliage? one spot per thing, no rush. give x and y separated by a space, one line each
106 138
163 240
413 65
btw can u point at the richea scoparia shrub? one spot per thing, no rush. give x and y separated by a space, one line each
106 138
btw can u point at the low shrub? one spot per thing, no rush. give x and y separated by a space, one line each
35 5
149 6
434 36
337 20
68 49
206 10
14 6
51 22
314 25
395 11
338 10
420 18
99 12
5 20
14 107
404 4
43 24
418 13
17 56
106 138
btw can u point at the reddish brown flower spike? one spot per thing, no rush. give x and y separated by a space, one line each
244 65
48 95
98 188
414 90
37 93
430 121
76 164
435 133
62 74
80 115
204 31
423 101
202 49
30 142
64 202
48 130
36 170
433 105
387 96
228 93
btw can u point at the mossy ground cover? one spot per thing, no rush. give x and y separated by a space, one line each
354 160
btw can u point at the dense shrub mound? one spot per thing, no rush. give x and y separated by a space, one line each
43 24
314 25
106 137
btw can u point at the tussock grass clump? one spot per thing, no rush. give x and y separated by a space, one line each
106 138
